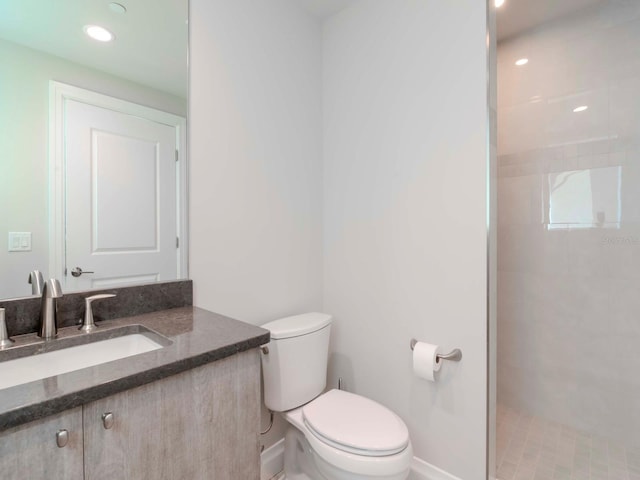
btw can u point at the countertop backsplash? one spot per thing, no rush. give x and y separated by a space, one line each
22 314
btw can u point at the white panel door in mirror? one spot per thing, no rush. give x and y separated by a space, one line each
125 197
120 198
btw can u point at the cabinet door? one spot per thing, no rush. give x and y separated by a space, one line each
200 424
31 452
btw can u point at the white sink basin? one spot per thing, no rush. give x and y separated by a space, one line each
36 367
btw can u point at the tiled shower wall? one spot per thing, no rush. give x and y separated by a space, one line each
569 222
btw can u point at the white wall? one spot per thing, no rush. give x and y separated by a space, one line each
395 127
255 114
569 291
24 97
405 217
255 156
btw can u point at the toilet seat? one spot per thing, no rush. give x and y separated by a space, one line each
337 456
355 424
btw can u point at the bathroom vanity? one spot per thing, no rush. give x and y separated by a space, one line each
190 409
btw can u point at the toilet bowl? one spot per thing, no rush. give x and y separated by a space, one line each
353 437
335 435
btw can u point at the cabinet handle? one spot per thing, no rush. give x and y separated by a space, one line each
62 438
107 420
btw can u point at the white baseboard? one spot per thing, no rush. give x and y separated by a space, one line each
421 470
272 460
272 463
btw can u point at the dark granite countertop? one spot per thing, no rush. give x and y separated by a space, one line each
197 337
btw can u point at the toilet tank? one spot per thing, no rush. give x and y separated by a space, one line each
295 369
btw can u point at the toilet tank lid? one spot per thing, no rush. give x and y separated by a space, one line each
297 325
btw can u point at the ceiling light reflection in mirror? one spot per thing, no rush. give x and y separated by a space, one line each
98 33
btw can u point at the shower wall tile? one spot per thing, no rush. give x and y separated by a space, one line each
586 253
531 248
526 195
621 250
590 161
569 293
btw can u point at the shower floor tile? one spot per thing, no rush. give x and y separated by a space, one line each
531 448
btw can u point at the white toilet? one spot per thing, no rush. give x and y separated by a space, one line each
332 436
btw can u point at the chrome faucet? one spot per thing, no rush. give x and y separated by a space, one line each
51 290
37 282
5 339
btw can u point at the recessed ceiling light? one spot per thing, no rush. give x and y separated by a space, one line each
117 8
499 3
98 33
522 61
580 109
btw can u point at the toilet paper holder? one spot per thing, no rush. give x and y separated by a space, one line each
454 355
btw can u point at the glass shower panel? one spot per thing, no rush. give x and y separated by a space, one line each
569 243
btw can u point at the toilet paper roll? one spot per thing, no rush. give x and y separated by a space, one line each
425 363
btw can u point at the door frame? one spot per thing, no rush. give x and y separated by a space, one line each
58 94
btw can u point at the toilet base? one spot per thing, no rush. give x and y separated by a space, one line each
302 463
298 458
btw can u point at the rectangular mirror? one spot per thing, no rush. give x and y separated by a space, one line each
93 135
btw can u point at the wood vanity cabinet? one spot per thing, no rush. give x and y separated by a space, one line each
30 451
196 425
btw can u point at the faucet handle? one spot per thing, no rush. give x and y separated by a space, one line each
88 325
100 296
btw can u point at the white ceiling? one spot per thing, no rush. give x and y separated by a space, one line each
518 16
151 38
325 8
514 17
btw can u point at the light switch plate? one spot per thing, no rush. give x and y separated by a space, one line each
19 241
